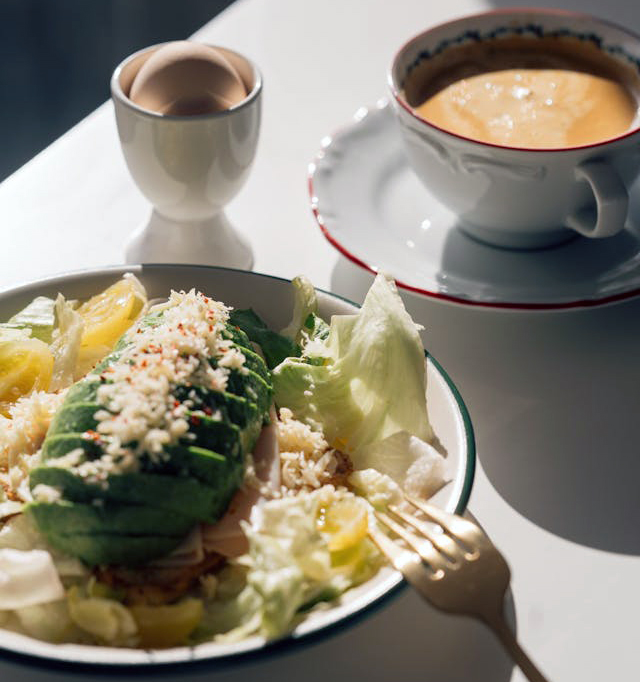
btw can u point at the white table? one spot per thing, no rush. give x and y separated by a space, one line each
554 397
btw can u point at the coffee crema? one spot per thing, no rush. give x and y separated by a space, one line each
527 93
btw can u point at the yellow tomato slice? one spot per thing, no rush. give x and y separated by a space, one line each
166 626
26 365
345 523
109 314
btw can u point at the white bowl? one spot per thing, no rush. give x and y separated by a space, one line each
272 299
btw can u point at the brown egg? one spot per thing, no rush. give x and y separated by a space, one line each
184 78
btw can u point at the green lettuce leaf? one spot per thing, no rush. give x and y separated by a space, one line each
292 568
366 381
305 324
38 318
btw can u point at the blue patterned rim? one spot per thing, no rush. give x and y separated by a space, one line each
530 30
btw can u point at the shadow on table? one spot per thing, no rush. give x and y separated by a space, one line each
554 398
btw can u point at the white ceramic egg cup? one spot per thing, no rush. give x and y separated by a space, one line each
189 168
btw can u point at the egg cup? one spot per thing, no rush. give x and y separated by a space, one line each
189 168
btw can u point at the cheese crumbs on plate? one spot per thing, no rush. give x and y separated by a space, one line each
307 460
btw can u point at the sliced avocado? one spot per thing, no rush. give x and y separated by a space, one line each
75 517
74 418
251 386
252 361
237 335
83 392
181 461
220 436
180 494
103 548
60 444
255 363
132 518
204 465
234 408
205 432
109 360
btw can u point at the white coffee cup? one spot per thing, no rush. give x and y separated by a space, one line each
189 168
517 197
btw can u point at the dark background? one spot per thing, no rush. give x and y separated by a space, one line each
58 55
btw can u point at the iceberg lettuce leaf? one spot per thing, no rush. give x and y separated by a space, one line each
38 317
66 344
366 381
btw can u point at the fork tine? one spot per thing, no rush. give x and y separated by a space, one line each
454 525
422 546
440 541
401 558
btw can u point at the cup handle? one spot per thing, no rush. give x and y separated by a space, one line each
612 201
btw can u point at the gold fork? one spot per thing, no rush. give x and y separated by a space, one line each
455 567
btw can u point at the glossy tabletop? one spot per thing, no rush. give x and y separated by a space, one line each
554 396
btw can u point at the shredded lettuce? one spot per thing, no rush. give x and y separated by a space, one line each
66 344
290 567
304 303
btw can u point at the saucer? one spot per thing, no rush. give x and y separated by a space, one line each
374 210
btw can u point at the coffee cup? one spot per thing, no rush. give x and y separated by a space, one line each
189 167
522 186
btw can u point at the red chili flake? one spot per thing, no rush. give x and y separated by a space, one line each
195 420
207 410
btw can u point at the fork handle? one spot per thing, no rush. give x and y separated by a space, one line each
498 624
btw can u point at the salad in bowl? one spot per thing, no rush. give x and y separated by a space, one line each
180 473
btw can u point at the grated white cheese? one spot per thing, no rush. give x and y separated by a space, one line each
307 462
23 432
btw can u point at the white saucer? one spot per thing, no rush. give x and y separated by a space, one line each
373 209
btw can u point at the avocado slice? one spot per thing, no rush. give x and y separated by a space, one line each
60 444
104 548
131 518
237 335
251 386
213 434
236 409
77 517
255 363
179 494
84 391
206 466
190 458
75 417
